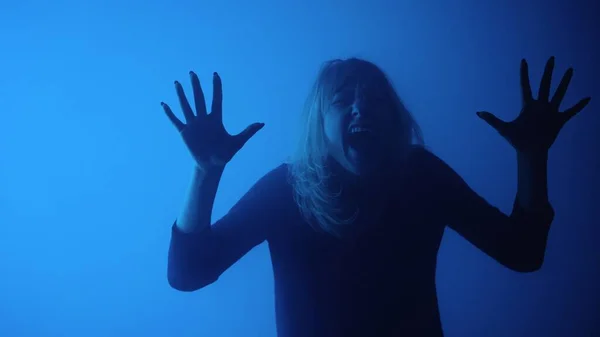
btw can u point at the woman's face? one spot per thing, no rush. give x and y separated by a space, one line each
358 124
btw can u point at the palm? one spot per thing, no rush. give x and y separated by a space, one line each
540 120
204 134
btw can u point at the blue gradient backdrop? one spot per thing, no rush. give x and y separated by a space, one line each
92 174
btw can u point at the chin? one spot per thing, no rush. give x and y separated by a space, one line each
360 164
367 169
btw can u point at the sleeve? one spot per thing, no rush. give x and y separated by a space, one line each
196 260
518 241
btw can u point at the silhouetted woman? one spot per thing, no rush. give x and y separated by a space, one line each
355 219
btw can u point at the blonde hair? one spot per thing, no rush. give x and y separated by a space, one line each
317 198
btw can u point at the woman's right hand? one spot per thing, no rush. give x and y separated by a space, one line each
204 133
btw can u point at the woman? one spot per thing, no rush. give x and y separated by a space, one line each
354 221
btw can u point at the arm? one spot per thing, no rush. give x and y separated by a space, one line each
532 181
199 253
196 215
518 241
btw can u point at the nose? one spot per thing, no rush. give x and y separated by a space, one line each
359 107
356 110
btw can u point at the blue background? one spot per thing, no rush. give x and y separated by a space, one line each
92 174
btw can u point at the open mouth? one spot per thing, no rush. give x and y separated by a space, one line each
359 130
360 135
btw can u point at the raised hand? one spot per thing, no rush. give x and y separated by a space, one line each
204 133
540 120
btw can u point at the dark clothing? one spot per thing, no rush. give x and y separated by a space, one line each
381 284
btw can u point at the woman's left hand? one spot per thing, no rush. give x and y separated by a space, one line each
540 121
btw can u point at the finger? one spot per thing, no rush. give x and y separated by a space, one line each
571 112
198 95
178 124
525 85
492 120
544 91
250 131
217 101
561 90
185 105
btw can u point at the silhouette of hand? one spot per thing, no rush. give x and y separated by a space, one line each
204 133
539 122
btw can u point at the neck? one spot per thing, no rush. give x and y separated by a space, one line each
365 192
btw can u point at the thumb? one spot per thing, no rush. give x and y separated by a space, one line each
250 131
492 120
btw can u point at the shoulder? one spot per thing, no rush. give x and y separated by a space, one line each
424 165
276 179
422 159
271 191
277 175
274 187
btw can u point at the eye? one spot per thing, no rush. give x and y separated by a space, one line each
341 99
337 101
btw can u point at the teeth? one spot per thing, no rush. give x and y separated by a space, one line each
357 129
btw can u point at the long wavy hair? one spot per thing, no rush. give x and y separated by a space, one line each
317 198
